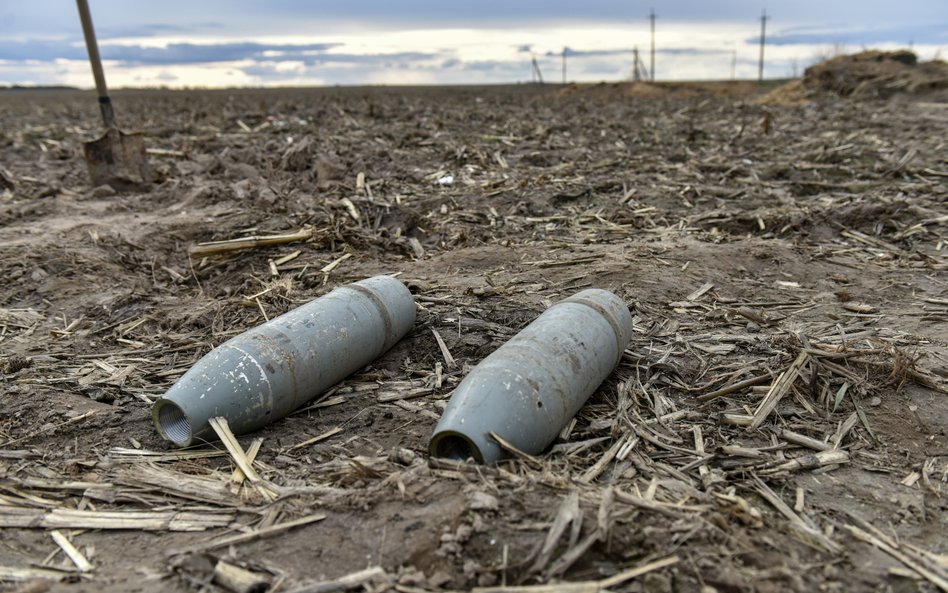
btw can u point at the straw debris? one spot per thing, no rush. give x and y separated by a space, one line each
777 416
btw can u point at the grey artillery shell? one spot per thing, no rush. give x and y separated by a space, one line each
529 388
267 372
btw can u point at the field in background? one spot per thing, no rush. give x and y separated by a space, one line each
777 254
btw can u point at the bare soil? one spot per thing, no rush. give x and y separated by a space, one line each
743 237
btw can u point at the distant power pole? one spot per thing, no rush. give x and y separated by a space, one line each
564 64
651 66
538 76
763 37
733 64
638 72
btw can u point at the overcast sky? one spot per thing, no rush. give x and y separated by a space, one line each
296 42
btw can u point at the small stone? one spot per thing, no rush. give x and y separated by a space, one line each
403 456
412 577
479 500
477 524
471 568
655 582
439 579
463 533
103 191
241 171
327 172
299 155
6 180
244 189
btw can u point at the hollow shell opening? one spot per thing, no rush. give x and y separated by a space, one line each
455 446
173 424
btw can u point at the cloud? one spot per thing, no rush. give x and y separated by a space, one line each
692 51
497 66
272 72
376 58
328 66
346 65
173 53
590 53
606 53
193 53
606 69
927 34
208 53
156 29
425 14
40 51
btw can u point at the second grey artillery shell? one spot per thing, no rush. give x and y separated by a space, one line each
267 372
529 388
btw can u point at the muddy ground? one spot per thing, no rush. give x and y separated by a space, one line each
791 252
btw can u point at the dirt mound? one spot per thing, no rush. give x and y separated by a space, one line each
866 75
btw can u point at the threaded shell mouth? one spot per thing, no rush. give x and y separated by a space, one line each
452 445
172 423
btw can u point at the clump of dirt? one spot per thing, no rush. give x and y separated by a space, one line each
866 75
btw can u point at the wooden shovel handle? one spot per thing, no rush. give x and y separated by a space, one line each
105 103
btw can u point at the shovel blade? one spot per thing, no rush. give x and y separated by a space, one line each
118 159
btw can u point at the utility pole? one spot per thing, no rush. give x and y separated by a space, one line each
538 76
564 64
651 66
763 37
638 71
733 64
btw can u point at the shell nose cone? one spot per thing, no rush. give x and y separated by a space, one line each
530 387
268 371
